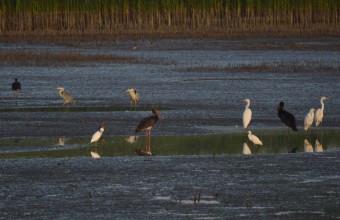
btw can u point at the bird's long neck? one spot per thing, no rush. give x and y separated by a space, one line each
322 105
247 105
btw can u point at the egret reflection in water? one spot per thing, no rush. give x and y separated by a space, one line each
308 148
318 146
246 150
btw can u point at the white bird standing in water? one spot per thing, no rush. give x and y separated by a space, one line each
96 136
319 112
254 139
318 147
68 98
246 150
246 114
309 119
307 146
134 96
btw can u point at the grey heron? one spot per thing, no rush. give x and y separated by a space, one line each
67 97
134 96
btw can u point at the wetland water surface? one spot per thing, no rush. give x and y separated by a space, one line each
195 83
199 93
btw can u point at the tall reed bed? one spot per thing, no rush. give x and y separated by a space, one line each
205 17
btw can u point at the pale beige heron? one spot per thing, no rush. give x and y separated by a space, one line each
134 96
67 97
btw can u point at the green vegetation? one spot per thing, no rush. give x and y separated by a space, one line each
274 142
107 18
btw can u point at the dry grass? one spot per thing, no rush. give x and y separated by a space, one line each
275 67
34 58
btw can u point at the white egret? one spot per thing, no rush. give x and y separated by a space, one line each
318 147
254 139
246 114
319 112
68 98
146 125
95 155
246 150
134 96
96 136
309 119
307 146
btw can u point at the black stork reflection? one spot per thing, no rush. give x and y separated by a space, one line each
146 125
286 117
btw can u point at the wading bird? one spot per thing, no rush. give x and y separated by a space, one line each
309 119
146 125
246 114
287 118
318 147
254 139
307 146
97 135
134 96
68 98
16 87
319 112
246 149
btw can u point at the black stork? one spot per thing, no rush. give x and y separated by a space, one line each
16 87
146 125
286 117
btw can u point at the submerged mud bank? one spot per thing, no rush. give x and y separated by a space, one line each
289 186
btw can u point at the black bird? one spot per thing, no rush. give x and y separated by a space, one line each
16 87
287 118
146 124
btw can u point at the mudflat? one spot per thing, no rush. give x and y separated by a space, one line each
289 186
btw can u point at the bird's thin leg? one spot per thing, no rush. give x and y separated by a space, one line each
149 149
149 140
146 139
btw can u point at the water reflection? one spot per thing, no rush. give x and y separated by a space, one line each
307 146
246 150
95 155
318 147
229 143
131 139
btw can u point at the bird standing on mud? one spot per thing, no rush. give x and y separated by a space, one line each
309 119
287 118
97 135
147 124
319 112
134 96
246 114
68 98
16 87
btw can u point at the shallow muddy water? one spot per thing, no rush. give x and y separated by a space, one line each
197 102
191 175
